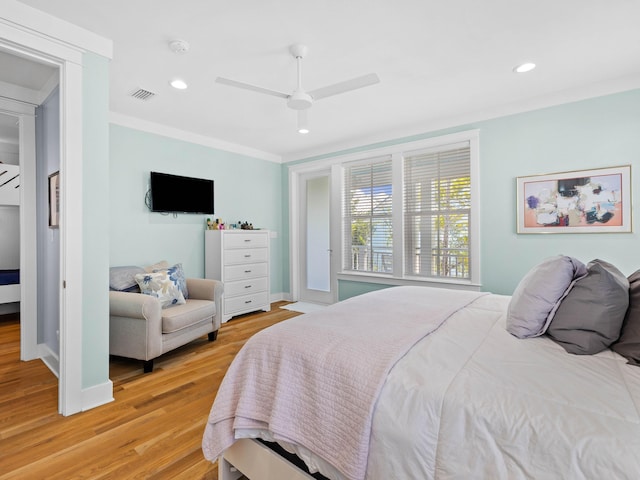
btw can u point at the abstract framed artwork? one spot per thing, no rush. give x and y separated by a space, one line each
580 201
54 200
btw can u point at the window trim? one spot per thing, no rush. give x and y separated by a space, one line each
397 151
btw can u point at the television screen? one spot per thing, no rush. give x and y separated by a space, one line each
177 194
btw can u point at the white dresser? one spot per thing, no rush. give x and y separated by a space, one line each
240 259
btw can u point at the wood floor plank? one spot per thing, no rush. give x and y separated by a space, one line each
152 430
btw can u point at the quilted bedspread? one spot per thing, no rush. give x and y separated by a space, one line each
313 381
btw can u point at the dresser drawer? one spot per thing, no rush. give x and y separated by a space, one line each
245 240
246 303
240 272
245 255
245 287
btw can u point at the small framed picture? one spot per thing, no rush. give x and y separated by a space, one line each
54 200
581 201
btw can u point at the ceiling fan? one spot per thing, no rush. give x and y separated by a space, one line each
301 100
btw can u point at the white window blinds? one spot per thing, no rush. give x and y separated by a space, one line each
437 207
367 216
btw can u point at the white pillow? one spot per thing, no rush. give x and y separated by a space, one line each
539 293
162 286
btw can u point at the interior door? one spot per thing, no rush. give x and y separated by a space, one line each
315 233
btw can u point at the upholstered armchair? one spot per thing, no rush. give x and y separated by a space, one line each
140 328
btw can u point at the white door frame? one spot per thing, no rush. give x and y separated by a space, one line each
33 34
296 176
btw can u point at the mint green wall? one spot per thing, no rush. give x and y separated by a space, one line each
348 289
600 132
95 235
246 188
594 133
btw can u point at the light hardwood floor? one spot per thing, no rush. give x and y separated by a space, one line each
152 430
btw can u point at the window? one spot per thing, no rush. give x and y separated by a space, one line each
368 245
437 204
408 212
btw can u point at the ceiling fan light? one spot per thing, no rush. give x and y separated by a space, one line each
303 124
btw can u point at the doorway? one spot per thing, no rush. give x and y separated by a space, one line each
66 65
315 238
27 85
312 239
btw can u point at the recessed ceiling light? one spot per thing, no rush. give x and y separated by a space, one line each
525 67
179 84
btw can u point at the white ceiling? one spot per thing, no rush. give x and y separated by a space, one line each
440 63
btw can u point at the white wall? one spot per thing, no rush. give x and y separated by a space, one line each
48 161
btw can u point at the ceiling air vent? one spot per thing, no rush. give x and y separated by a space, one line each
142 94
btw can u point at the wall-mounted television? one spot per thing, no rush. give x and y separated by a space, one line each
178 194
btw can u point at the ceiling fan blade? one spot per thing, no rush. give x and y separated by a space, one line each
246 86
346 86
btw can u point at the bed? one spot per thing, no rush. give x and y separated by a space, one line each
462 398
9 286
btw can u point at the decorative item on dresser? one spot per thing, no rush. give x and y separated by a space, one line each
240 259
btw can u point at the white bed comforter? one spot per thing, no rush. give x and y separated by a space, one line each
473 402
470 401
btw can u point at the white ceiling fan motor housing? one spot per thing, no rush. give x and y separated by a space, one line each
299 100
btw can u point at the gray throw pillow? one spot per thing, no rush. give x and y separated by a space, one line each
123 278
590 317
629 343
538 295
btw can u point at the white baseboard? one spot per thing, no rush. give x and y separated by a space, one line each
97 395
49 358
279 297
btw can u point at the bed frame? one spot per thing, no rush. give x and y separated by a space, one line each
256 461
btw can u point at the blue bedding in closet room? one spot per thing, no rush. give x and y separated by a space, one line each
9 277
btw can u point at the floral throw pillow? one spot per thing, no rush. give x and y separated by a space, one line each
161 286
176 273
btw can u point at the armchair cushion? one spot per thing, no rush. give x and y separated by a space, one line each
184 316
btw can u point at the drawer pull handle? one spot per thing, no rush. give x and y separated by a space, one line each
247 286
248 301
247 240
247 271
247 256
